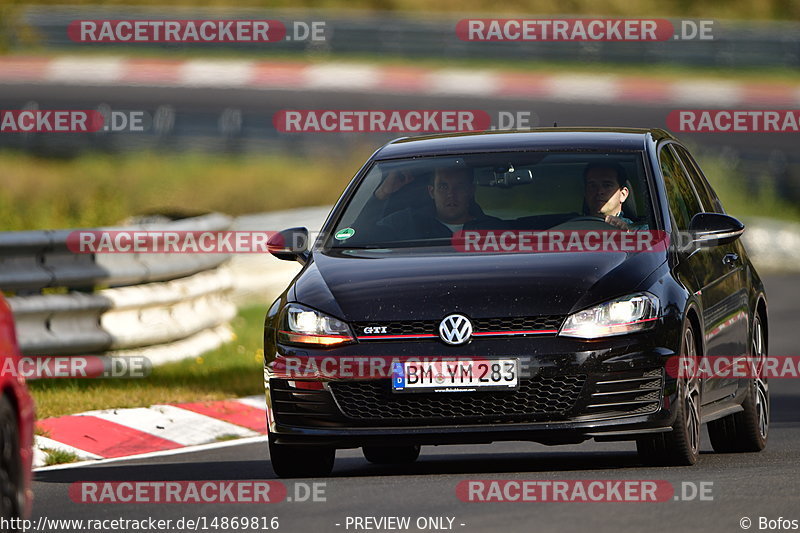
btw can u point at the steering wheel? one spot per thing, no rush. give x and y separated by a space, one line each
584 222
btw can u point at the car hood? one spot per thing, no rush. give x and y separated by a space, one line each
428 287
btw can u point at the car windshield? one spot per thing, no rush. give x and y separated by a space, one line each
423 202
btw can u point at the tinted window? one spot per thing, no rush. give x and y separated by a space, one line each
707 195
681 197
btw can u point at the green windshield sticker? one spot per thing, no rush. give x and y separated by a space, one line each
344 234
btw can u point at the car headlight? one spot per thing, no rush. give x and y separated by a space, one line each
303 325
631 313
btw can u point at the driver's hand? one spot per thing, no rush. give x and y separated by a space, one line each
617 222
394 181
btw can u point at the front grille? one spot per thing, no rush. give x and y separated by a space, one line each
536 399
544 323
371 403
627 394
406 327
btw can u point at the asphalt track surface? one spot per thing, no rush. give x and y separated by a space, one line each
743 485
198 111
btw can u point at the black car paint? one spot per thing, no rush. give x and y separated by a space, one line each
407 287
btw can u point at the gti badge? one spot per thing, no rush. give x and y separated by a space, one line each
455 329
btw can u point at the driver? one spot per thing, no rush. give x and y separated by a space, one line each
605 191
453 207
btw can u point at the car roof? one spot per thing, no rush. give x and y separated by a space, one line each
556 139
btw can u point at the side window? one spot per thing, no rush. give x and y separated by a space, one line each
704 190
682 200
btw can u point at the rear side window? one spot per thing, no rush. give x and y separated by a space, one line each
707 195
683 203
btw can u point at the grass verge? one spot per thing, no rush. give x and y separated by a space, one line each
227 437
231 371
97 189
742 197
58 457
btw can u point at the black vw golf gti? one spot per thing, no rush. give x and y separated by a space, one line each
533 286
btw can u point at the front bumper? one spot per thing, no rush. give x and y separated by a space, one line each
544 433
571 390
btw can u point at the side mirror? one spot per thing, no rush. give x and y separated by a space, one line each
713 229
290 245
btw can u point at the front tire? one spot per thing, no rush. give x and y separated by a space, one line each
11 489
746 431
301 461
681 446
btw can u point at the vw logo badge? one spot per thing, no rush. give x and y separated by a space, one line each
455 329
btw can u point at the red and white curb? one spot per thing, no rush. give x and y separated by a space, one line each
356 77
116 433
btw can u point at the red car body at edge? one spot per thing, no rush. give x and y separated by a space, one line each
16 425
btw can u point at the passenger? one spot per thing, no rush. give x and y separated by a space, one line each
453 207
605 191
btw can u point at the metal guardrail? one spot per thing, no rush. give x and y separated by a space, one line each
60 324
734 44
34 260
116 302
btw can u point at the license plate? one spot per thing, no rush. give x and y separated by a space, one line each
455 376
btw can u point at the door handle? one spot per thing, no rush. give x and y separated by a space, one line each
730 259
